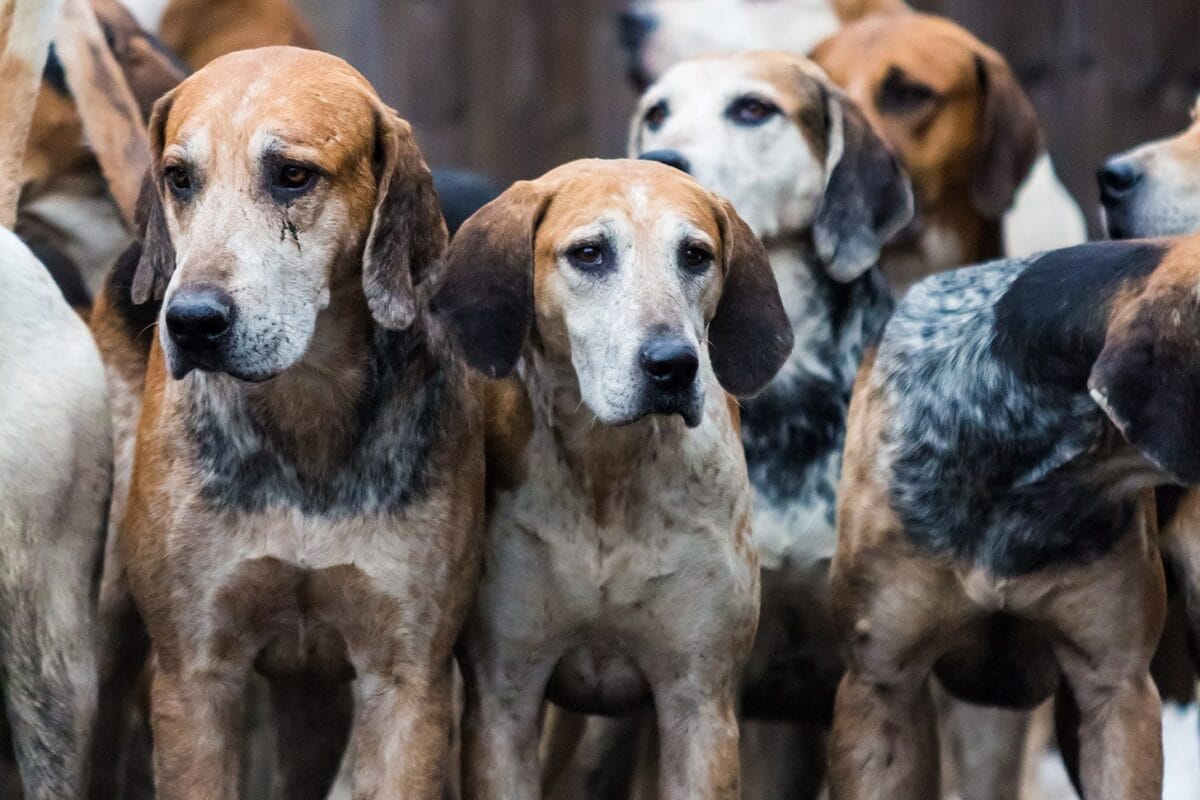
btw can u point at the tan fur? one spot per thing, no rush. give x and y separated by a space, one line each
114 127
202 30
942 145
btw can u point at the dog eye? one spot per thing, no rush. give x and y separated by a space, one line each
587 256
696 258
179 180
293 177
899 94
751 110
656 115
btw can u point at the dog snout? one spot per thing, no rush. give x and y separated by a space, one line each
1118 177
672 158
200 318
670 364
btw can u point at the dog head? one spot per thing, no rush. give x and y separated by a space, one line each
1154 190
656 34
623 271
767 131
948 104
279 184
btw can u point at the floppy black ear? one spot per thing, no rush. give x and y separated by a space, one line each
157 263
485 297
406 246
1147 380
868 197
1010 140
750 336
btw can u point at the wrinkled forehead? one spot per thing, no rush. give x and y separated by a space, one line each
319 111
649 210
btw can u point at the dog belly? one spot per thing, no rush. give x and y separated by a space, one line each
593 680
1004 662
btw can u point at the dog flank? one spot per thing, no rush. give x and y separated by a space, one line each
970 410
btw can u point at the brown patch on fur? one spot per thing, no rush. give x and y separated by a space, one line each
966 152
201 31
850 10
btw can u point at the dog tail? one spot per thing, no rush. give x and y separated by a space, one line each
26 27
106 104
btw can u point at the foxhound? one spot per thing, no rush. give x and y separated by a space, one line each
619 566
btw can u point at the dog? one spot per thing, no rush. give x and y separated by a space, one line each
202 30
1152 190
1002 447
307 489
657 34
619 566
799 162
55 471
966 132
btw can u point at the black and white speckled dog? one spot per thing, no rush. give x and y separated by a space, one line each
1000 454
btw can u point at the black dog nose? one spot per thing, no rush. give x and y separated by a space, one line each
632 29
1117 178
670 363
672 158
199 318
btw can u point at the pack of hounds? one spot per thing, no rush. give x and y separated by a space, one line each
712 472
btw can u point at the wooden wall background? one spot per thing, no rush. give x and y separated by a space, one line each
513 87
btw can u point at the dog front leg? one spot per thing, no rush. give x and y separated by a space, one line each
402 736
500 727
884 744
196 726
698 736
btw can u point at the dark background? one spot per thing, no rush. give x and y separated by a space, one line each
514 87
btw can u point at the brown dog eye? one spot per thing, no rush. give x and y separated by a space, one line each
294 176
751 110
696 258
656 115
587 257
179 179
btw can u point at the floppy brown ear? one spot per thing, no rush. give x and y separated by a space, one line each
485 297
868 198
850 10
157 262
1010 138
407 243
1147 380
750 335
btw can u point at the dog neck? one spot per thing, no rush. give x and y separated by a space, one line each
600 455
351 428
313 405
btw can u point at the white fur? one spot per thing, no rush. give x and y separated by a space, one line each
1044 215
768 172
610 318
55 461
148 13
689 28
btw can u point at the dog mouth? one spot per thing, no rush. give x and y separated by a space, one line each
182 362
